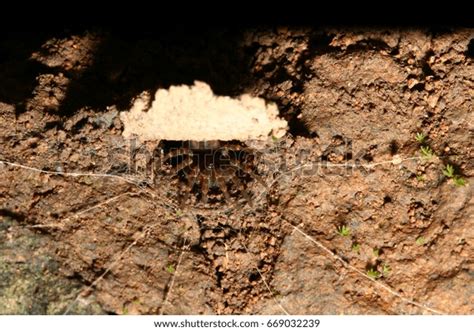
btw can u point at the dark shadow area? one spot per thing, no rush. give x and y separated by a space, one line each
298 128
470 49
126 64
11 214
17 71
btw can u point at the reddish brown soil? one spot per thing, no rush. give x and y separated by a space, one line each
82 244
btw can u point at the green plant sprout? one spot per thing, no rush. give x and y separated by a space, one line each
356 247
426 152
386 270
420 178
459 181
450 173
170 269
376 252
420 241
343 231
420 137
374 274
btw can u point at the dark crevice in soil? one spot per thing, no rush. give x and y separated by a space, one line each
370 45
77 127
199 250
318 44
76 276
298 128
419 87
393 147
12 214
219 275
55 124
254 276
425 66
470 49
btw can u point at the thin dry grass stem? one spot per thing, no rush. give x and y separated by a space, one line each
278 303
256 268
72 174
394 161
352 268
184 248
115 261
119 257
172 206
138 182
61 225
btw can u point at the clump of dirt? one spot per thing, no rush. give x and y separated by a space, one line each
195 113
348 215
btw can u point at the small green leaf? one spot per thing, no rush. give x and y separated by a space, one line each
343 231
374 274
170 269
459 181
420 178
448 171
376 252
420 241
356 248
426 152
420 137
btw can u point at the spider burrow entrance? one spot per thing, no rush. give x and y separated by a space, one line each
207 172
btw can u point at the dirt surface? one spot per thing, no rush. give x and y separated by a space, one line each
348 216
